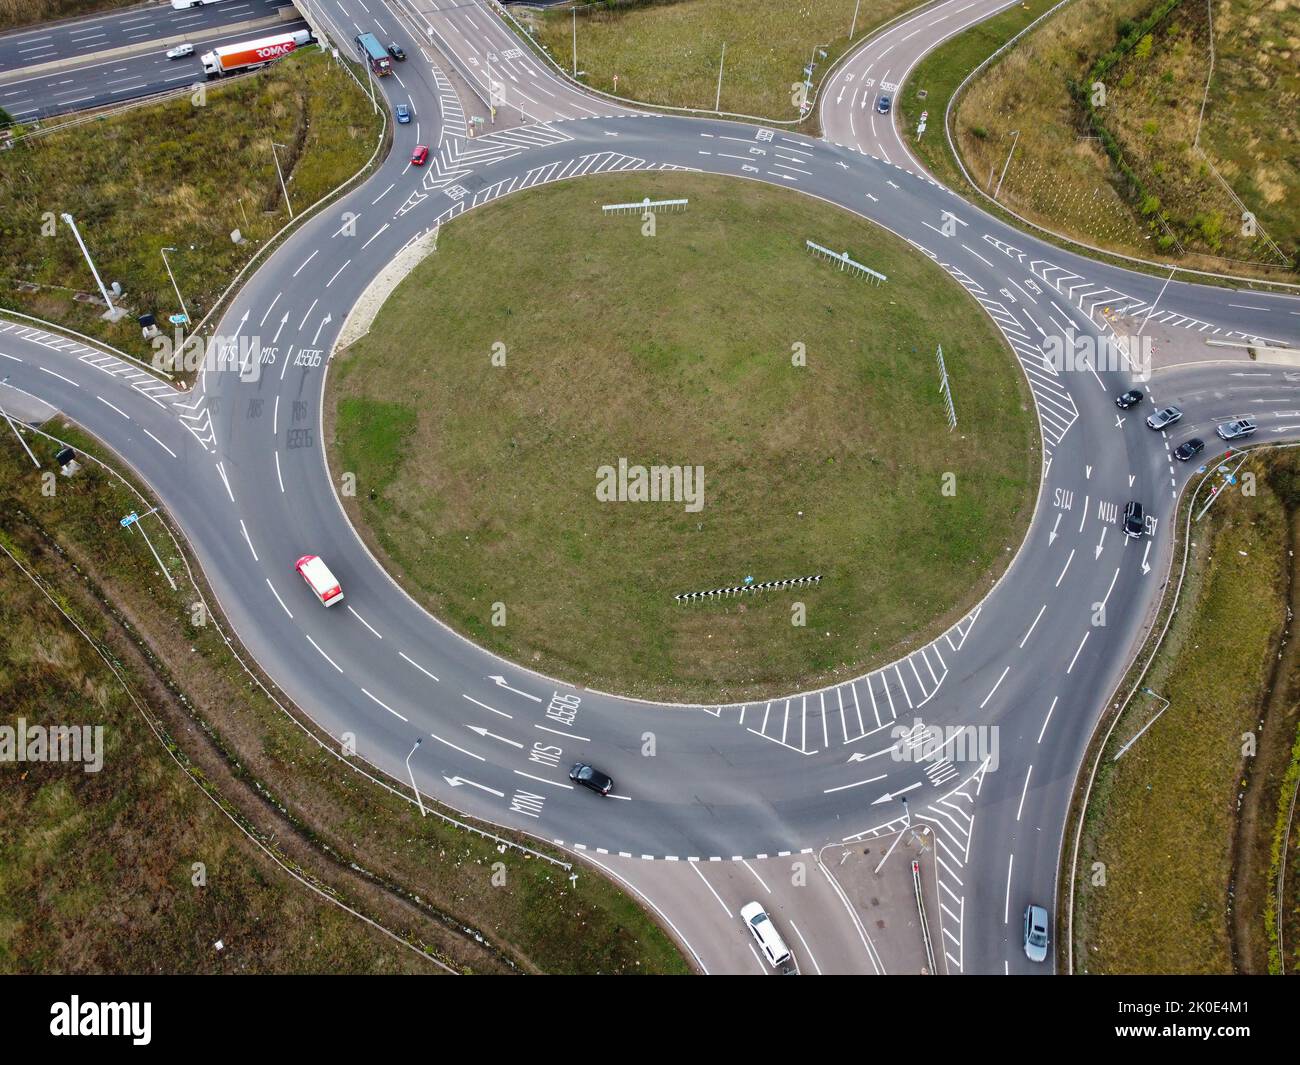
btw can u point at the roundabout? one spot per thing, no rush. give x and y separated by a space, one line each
241 466
793 407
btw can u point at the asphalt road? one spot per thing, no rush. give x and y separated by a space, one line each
240 465
79 64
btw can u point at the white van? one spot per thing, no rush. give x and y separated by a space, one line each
320 579
764 931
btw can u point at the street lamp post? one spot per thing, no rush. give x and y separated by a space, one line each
177 287
1015 136
418 801
72 225
818 49
280 172
906 825
717 103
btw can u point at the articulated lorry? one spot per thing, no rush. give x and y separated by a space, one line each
376 54
246 55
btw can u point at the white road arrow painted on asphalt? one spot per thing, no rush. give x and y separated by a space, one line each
501 683
1051 537
324 322
456 782
484 732
895 794
1100 543
276 339
1087 473
1146 568
1131 479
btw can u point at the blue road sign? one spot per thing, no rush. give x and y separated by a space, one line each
130 519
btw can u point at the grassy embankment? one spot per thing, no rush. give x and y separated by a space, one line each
1187 824
1150 194
16 13
668 53
86 856
478 482
174 174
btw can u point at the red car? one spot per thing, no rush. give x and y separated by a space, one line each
420 155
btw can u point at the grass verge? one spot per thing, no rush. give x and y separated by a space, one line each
360 842
478 486
1174 858
668 53
939 74
16 13
1106 107
175 174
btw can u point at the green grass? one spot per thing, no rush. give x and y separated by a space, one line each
939 74
174 175
15 13
96 868
677 349
668 53
1163 819
1166 204
1250 132
421 876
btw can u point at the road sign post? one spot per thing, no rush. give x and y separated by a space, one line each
132 520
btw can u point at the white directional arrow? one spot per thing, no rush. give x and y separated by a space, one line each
891 184
484 732
1051 537
1131 479
1146 568
456 782
1097 552
275 339
889 795
872 198
501 683
324 322
1087 473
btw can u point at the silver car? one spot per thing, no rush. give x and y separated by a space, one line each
1036 933
1163 418
1233 430
180 51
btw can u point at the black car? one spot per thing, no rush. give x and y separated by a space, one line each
1189 449
591 777
395 50
1128 399
1134 523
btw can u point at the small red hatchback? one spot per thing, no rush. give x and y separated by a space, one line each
420 154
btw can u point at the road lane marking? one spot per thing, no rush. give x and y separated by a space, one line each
417 665
486 707
322 653
543 780
160 443
1036 619
1048 718
277 598
364 621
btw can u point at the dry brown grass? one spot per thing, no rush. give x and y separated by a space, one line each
1066 182
16 13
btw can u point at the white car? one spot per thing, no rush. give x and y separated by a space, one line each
769 939
319 579
180 51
